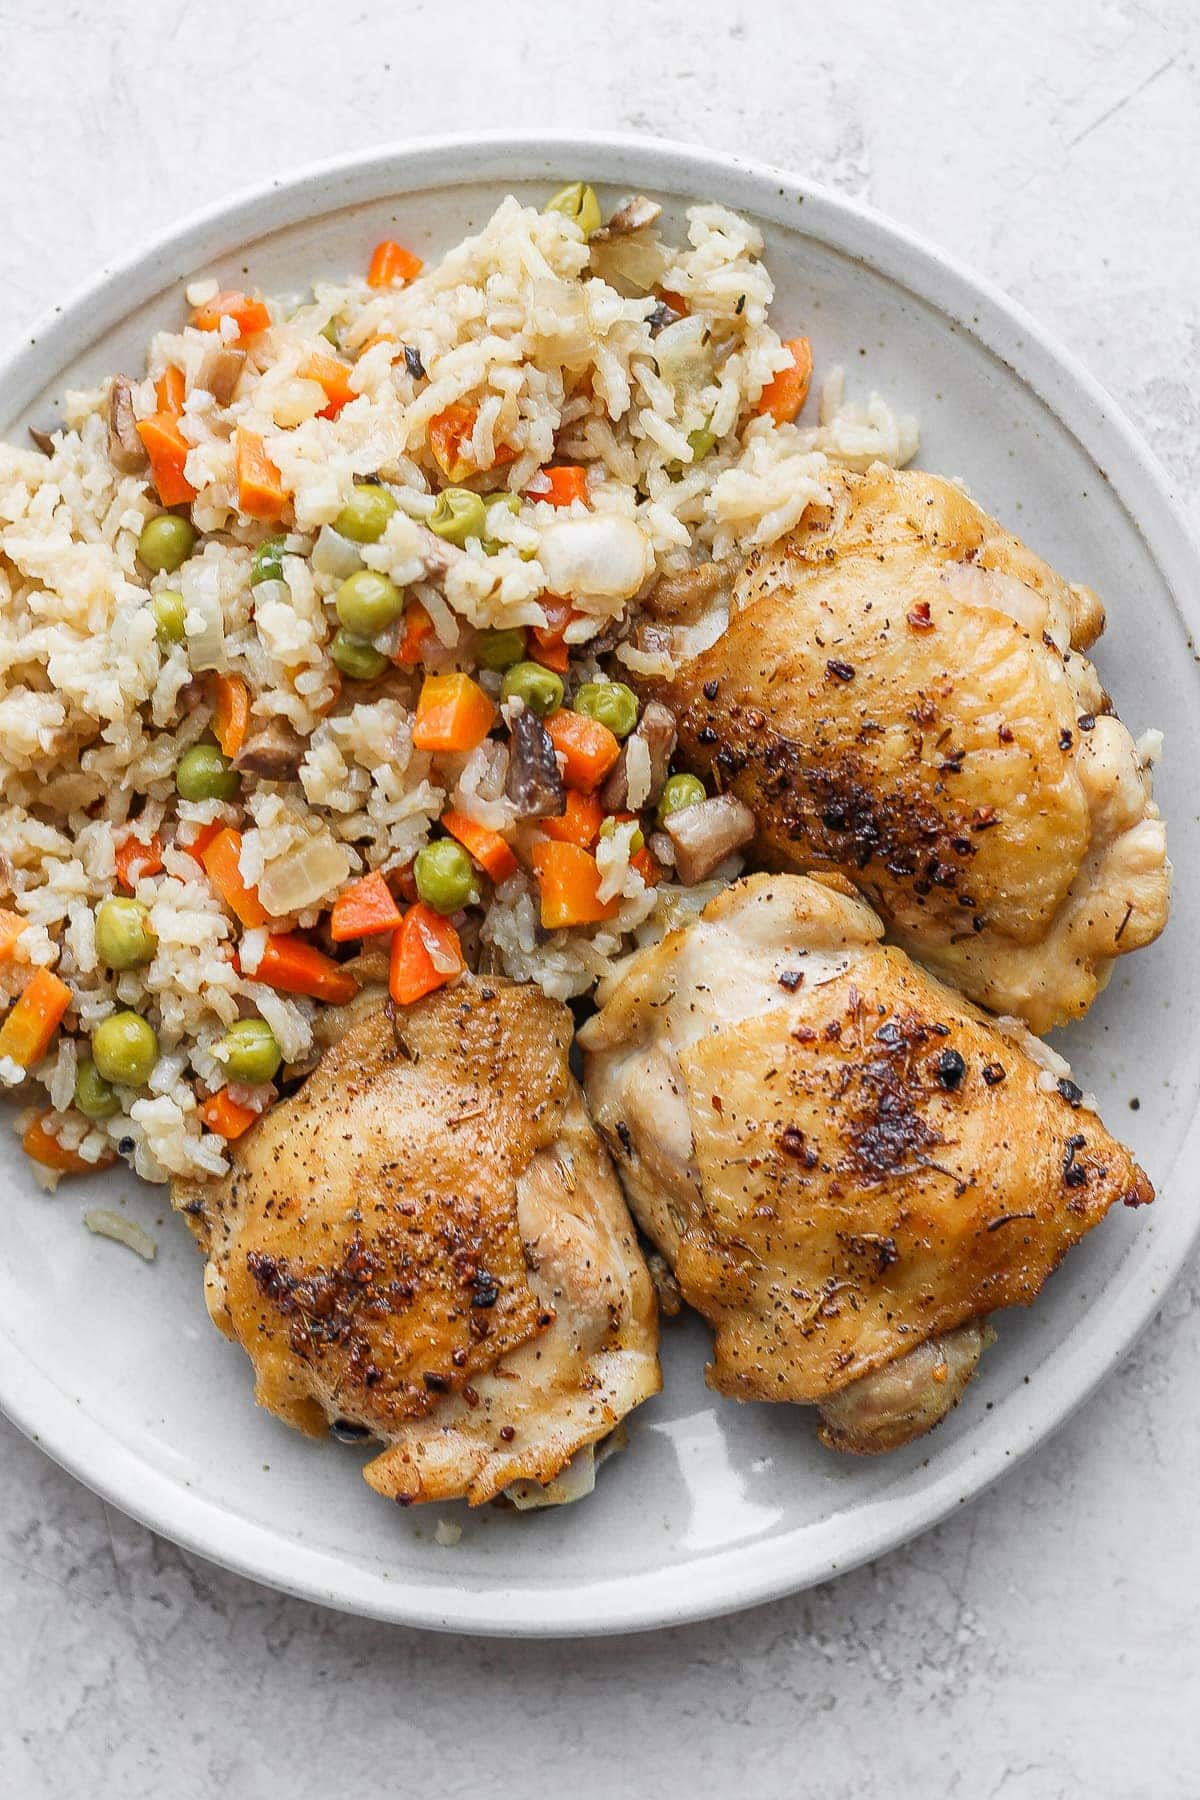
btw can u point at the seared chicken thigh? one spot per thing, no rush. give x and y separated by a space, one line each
899 691
847 1166
427 1241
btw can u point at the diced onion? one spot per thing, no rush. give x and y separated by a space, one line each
106 1223
572 1483
204 621
267 593
334 554
304 876
683 356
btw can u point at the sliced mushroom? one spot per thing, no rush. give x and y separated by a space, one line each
125 448
220 371
43 440
656 729
662 316
273 750
535 783
681 596
632 215
706 833
439 557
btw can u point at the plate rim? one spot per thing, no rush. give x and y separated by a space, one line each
745 1575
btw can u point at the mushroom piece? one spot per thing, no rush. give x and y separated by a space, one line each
44 440
656 731
274 751
679 597
125 448
220 371
535 783
632 215
706 833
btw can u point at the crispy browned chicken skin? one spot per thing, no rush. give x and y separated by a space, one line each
428 1241
847 1166
903 694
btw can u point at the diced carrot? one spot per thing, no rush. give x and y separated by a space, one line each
11 927
676 302
170 390
168 451
295 967
231 712
449 431
569 881
26 1033
45 1149
249 315
426 954
786 392
135 859
377 337
203 839
559 486
554 656
489 849
590 749
644 862
220 859
334 376
418 628
261 493
453 713
225 1116
546 642
364 910
391 262
580 824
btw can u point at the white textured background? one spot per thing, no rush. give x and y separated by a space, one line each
1044 1645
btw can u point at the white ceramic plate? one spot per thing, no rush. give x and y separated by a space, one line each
113 1367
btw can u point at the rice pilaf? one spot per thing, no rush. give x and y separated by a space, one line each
360 691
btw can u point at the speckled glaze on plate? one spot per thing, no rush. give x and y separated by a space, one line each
112 1366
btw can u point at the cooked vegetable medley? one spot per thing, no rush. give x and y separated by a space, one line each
325 663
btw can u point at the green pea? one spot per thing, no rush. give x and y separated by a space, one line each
94 1097
249 1052
700 442
367 603
578 202
511 503
680 791
268 561
124 939
499 649
637 841
125 1049
444 875
357 660
206 773
364 518
611 703
458 515
540 689
504 497
166 542
170 610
